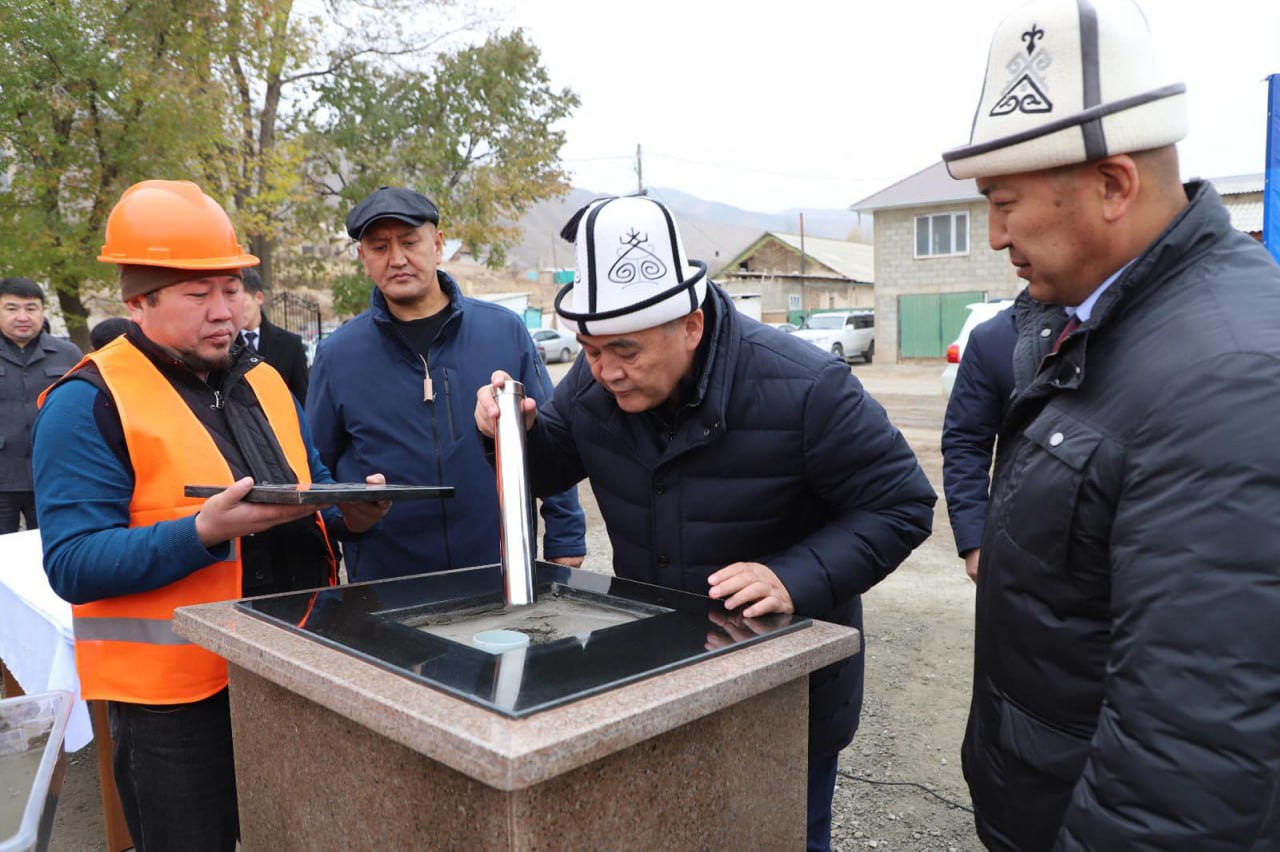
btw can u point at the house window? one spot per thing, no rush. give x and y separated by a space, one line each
942 234
794 302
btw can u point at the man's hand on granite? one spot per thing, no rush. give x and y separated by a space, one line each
750 583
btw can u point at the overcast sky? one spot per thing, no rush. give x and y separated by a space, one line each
819 103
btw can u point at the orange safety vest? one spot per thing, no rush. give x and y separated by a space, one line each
126 649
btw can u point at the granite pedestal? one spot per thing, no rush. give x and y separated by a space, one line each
333 751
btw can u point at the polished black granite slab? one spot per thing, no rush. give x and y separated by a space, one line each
324 493
387 623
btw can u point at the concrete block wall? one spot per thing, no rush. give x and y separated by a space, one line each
899 272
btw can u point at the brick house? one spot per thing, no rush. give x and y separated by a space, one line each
797 276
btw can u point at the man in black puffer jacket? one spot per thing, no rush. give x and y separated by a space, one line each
728 458
1126 686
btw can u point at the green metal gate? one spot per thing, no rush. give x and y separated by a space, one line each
929 322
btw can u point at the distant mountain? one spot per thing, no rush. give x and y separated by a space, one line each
713 232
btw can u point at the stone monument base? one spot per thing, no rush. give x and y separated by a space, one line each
311 779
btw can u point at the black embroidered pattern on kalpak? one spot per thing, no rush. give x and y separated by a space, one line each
1026 93
636 264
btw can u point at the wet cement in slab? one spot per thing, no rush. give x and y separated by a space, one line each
547 619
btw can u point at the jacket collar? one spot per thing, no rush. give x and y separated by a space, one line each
40 345
241 362
381 313
1203 221
1198 225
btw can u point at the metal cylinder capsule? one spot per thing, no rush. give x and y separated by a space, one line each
515 506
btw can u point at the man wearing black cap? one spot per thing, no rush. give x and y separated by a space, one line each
394 387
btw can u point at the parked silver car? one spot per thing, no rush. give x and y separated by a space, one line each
556 345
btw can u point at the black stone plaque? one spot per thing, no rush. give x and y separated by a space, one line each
640 631
328 492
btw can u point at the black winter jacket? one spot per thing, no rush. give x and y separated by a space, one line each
21 382
778 457
1127 660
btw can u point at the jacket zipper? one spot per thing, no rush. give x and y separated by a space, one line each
435 441
448 405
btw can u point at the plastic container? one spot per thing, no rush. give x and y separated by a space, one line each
498 641
31 732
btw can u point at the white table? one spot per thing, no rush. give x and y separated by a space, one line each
37 649
36 641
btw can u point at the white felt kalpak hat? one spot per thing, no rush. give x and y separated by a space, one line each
631 271
1069 81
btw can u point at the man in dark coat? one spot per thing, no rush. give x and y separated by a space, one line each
31 359
1126 690
982 392
729 459
279 347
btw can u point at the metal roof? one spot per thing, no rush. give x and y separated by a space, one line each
931 185
856 261
1239 184
1246 212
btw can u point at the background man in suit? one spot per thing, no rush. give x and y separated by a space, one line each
31 359
280 348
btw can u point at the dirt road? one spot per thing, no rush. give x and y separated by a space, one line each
919 641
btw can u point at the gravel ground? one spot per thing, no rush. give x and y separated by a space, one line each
919 642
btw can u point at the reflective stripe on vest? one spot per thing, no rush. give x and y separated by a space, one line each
126 649
150 631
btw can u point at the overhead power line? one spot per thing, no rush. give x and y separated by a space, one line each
728 167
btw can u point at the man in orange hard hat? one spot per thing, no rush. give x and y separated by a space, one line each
171 403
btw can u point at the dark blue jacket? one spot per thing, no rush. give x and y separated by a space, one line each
984 385
368 415
777 456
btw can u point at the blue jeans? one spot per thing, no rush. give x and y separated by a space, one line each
14 504
822 786
176 774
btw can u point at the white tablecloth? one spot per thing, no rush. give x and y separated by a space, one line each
36 641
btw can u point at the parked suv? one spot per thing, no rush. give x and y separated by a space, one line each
845 334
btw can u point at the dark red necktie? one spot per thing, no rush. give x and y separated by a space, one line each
1072 324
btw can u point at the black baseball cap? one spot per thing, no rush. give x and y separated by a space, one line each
391 202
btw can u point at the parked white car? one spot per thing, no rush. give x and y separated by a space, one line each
556 345
845 334
979 312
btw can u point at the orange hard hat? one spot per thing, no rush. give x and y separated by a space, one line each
172 223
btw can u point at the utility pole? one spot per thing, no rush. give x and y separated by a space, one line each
639 172
802 257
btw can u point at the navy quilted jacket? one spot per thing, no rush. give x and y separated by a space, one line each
780 458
